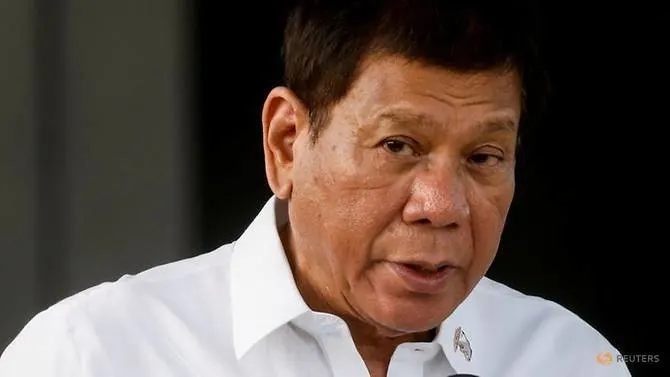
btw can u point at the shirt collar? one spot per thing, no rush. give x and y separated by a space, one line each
264 295
458 337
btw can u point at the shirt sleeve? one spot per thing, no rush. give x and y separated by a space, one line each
45 347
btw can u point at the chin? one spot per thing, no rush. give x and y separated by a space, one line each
409 317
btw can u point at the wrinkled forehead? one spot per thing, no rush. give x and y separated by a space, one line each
398 90
385 73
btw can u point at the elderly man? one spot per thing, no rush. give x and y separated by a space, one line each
391 154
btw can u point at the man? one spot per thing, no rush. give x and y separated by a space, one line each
390 153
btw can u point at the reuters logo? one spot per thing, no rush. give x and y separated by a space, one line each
604 358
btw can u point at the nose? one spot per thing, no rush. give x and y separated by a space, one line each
438 197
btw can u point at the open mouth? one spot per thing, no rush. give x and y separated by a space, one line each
423 278
424 269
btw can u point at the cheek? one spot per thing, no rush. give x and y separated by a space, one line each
351 183
358 219
347 198
488 213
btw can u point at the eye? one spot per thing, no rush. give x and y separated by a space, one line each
486 159
399 147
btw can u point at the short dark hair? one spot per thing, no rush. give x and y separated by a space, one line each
325 42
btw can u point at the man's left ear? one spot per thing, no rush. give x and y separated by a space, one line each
284 118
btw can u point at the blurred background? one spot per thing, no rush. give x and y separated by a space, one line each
130 136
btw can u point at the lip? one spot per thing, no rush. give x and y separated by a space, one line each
424 282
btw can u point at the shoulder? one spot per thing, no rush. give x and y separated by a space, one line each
536 313
535 333
169 286
122 315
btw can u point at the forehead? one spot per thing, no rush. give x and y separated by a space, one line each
387 83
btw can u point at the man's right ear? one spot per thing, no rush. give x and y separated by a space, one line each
284 119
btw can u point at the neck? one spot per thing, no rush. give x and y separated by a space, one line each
376 345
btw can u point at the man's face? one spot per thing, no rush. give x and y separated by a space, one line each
399 207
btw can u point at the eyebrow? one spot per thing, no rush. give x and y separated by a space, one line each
408 119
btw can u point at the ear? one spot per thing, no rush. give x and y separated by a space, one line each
284 119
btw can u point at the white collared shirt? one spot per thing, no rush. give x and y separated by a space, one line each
236 312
